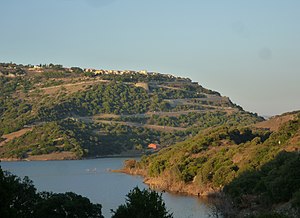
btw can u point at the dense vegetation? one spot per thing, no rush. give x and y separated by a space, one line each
83 139
274 182
116 98
248 164
60 104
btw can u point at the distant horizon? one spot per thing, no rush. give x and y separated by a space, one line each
248 51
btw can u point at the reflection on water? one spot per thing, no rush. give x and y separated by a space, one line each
92 179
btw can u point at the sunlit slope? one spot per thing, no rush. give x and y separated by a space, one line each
50 109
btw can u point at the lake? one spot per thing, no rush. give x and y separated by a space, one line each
92 179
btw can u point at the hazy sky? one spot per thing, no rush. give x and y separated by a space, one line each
248 50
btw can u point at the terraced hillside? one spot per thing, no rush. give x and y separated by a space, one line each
53 112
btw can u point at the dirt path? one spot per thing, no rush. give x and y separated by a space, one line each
155 127
176 113
160 113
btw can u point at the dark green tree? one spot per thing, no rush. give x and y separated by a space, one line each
142 204
19 198
68 204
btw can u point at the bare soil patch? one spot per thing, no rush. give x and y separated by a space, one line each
275 122
11 136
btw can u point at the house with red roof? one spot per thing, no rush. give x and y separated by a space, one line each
154 146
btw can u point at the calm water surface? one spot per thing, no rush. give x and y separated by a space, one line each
91 178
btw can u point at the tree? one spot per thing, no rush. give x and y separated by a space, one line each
68 204
142 204
19 198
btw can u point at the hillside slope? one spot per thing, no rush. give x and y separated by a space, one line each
256 167
50 109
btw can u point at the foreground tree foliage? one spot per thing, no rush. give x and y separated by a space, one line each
19 198
66 205
142 204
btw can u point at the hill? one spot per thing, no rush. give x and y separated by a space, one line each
256 168
54 112
275 122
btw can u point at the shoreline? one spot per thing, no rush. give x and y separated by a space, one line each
157 183
63 159
163 184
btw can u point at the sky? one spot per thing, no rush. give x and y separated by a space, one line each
248 50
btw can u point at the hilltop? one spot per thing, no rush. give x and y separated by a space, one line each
54 112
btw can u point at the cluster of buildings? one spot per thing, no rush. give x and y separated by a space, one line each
125 72
114 72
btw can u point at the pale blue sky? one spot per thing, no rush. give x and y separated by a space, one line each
247 50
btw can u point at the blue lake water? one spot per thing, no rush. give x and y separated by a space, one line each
92 179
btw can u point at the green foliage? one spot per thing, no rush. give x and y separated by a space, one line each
207 167
127 137
19 198
276 181
68 204
247 161
77 70
248 164
16 111
166 93
116 98
157 167
54 74
189 167
142 203
199 121
27 99
285 132
89 142
45 139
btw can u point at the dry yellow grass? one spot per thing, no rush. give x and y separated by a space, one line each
275 122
